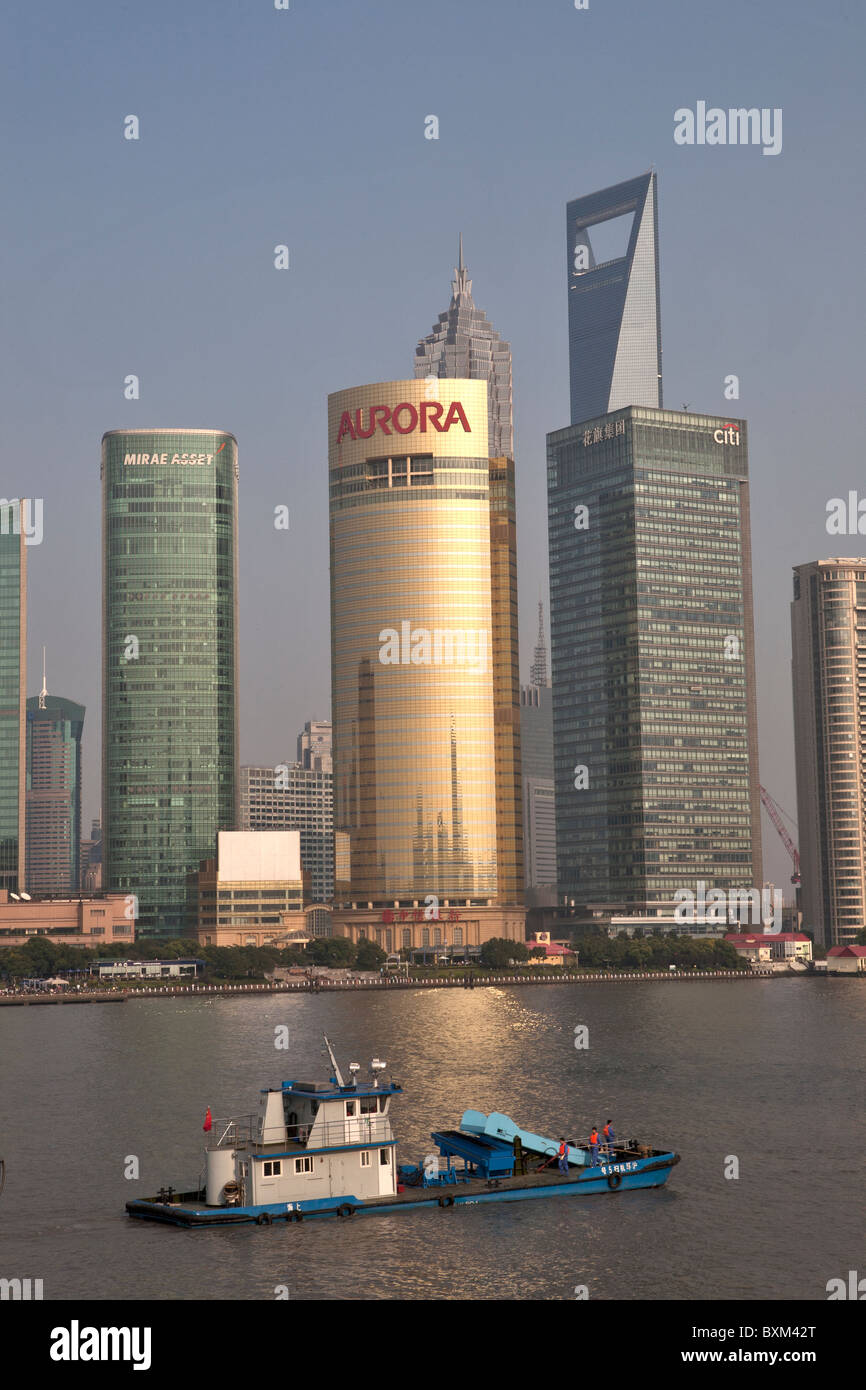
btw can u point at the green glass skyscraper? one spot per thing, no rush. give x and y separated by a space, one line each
170 662
13 652
654 714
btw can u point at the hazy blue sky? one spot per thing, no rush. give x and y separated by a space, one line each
306 127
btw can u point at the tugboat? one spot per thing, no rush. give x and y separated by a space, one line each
328 1149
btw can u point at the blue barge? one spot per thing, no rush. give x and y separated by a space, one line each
328 1149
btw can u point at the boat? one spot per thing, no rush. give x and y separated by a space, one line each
327 1148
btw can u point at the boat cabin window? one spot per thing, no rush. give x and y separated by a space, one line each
303 1165
350 1109
365 1158
273 1169
384 1156
369 1105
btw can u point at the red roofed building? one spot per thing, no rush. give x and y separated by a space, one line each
753 948
846 960
781 945
555 952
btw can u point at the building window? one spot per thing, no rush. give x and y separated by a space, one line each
384 1157
350 1109
303 1165
365 1159
273 1169
369 1105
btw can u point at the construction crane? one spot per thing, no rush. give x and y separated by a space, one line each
775 812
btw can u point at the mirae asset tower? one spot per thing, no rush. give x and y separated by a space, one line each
170 662
424 667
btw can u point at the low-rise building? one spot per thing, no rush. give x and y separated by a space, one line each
555 952
458 925
755 948
253 893
783 946
846 960
85 921
147 969
791 945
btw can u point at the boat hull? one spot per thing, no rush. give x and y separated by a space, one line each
190 1211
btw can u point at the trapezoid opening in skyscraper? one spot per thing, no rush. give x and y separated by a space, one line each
614 320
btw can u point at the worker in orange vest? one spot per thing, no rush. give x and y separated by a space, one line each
563 1156
609 1137
593 1147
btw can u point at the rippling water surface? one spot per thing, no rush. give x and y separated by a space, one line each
767 1071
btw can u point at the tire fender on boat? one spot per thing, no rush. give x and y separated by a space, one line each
345 1210
264 1218
446 1201
614 1180
296 1216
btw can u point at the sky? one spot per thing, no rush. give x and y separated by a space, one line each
305 127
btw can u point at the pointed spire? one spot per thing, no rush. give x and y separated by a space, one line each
538 671
44 691
461 285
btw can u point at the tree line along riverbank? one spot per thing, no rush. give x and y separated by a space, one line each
115 994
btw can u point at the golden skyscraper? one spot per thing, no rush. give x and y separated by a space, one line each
424 667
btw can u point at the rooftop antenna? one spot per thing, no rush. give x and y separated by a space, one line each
337 1072
44 691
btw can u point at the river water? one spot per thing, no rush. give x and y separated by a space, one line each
767 1072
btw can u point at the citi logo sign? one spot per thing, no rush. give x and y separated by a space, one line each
404 417
728 434
424 646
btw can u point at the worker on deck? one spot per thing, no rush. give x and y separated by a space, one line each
563 1156
593 1147
609 1137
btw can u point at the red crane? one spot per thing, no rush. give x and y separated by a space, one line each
774 811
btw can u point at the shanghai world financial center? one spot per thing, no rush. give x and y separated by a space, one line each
655 723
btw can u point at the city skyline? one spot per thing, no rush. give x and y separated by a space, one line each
728 261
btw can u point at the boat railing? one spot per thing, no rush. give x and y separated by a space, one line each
232 1132
363 1129
242 1131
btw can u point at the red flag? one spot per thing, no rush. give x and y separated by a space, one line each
208 1121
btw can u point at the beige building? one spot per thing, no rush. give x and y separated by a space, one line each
68 921
828 625
253 893
846 960
425 708
406 926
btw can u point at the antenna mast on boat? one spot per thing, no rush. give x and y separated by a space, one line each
337 1072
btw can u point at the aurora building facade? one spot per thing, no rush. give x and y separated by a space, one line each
828 628
654 713
170 723
424 667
